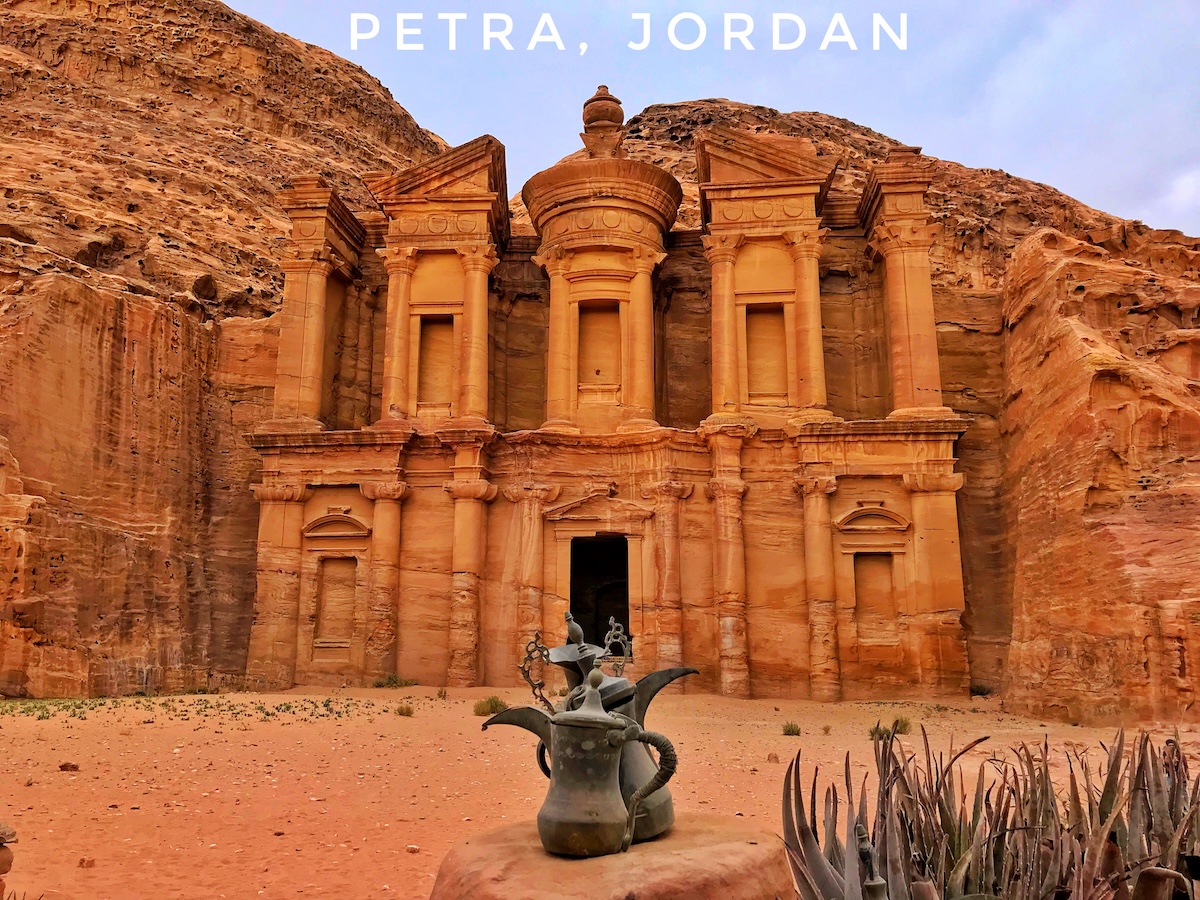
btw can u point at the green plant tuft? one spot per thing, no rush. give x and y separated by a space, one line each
394 681
489 706
791 729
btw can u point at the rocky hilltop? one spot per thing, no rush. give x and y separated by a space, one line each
139 247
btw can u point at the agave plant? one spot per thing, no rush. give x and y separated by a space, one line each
1016 836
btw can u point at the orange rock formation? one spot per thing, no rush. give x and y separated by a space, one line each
142 268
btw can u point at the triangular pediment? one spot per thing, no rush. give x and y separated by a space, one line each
470 170
599 508
725 156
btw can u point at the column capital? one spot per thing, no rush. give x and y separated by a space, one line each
478 257
645 258
310 262
808 485
721 248
398 260
667 490
933 483
890 237
805 241
281 492
475 489
718 426
384 490
532 490
554 260
725 489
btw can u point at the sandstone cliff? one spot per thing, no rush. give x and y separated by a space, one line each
139 249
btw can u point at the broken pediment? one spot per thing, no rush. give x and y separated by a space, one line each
467 183
600 507
725 156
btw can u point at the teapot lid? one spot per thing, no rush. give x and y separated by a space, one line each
591 712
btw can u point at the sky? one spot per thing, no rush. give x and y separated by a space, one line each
1099 99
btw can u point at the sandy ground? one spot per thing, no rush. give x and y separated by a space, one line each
321 795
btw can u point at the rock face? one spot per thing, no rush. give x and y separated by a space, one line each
139 252
1101 429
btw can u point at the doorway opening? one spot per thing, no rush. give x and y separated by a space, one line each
600 585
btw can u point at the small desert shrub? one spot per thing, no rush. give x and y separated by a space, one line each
791 729
880 732
393 681
980 690
825 729
489 706
405 709
441 694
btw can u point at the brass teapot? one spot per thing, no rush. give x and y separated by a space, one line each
584 813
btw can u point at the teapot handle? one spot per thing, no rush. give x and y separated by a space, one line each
541 758
667 761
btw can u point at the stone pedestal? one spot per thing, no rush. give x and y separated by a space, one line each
703 856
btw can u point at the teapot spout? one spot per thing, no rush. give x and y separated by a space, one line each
649 686
526 717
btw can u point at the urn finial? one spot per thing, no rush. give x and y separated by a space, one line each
603 124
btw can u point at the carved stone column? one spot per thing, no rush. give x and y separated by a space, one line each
805 247
940 601
641 336
400 263
912 326
721 252
825 677
729 554
668 600
477 261
471 495
272 654
526 531
383 636
300 372
560 380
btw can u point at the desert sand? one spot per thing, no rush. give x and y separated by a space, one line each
336 795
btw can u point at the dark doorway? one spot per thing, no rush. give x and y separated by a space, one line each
600 585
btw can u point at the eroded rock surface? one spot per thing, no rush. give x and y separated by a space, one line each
140 242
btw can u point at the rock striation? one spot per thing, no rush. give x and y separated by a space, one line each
140 241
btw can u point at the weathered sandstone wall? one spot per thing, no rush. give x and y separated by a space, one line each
140 243
1101 427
